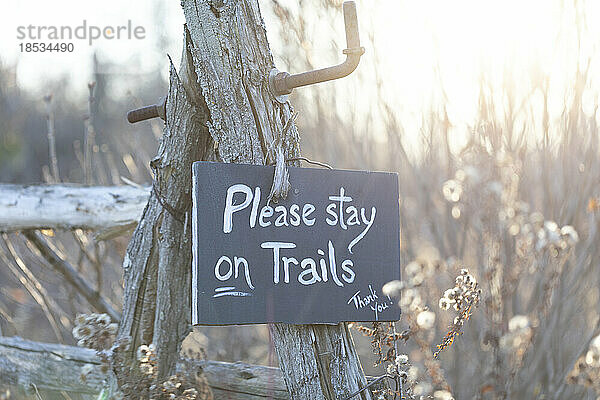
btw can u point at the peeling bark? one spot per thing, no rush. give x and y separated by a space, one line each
319 361
157 263
232 61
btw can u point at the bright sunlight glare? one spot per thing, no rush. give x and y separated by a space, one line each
430 56
447 54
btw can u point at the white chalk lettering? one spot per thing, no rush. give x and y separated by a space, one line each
371 300
265 212
282 218
233 270
332 265
378 309
342 199
323 265
229 272
255 204
312 271
368 222
348 274
295 217
286 267
336 214
306 211
241 260
333 218
276 246
230 208
353 218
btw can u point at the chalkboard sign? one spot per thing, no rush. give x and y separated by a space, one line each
321 255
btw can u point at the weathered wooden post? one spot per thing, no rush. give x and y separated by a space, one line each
222 107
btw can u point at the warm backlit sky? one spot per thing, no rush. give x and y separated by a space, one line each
163 29
418 48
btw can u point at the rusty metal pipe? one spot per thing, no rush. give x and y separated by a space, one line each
284 83
148 112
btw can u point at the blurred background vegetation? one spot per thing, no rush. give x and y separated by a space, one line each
489 117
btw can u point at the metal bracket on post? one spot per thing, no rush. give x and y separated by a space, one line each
281 84
148 112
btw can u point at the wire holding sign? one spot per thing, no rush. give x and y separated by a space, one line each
334 242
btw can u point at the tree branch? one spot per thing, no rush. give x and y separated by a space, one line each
72 276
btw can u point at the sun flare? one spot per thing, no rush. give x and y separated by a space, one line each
447 54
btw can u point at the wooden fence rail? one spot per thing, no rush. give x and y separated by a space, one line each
59 368
63 206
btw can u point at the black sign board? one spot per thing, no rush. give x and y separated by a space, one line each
321 255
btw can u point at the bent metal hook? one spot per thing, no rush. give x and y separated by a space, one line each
282 83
